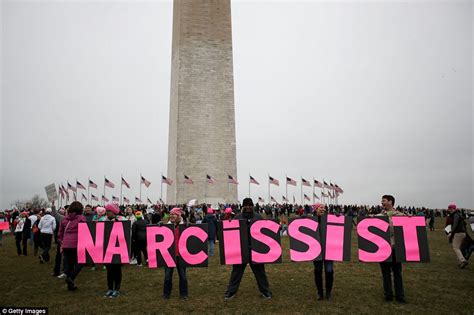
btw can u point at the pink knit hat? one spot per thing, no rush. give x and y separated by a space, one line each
176 211
317 205
210 210
100 211
112 207
452 206
228 210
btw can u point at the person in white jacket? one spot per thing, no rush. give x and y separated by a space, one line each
47 225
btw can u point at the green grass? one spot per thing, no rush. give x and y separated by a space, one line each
438 287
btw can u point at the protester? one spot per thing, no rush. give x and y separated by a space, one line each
67 237
35 219
211 221
176 219
387 268
114 271
458 234
139 238
22 233
47 225
58 216
88 214
258 269
2 219
320 210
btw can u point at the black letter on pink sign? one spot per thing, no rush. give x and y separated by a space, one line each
411 241
336 237
233 242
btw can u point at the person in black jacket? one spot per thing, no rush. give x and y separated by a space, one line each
139 237
458 234
211 221
258 269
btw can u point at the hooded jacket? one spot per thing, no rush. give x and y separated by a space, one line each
47 224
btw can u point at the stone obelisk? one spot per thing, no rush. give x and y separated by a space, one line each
202 119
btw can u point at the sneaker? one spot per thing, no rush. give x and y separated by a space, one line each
463 264
133 262
401 300
328 296
108 293
229 296
54 275
103 268
183 297
115 294
62 276
320 297
166 297
41 259
139 265
92 268
267 295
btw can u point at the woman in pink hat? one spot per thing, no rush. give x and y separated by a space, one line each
114 271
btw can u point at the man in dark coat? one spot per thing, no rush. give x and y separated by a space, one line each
258 269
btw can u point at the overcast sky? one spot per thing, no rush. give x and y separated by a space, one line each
375 96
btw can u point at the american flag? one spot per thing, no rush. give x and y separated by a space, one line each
161 201
94 198
285 199
324 194
326 185
148 200
339 189
318 184
105 198
273 181
61 191
146 182
260 199
304 182
337 194
253 181
92 184
69 186
64 189
332 186
125 183
115 199
316 196
210 179
126 200
165 180
138 200
79 185
108 183
273 199
231 180
306 197
188 180
83 197
290 181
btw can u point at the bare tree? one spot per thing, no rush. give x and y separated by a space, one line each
34 202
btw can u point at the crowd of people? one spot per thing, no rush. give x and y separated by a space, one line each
40 227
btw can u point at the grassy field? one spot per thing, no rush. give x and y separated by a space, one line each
438 287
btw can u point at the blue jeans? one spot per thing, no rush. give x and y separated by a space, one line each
211 246
183 280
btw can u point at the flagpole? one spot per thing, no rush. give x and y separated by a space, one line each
268 188
205 192
313 190
141 186
302 200
249 186
104 192
161 187
121 186
286 184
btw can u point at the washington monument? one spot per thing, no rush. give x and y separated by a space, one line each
202 119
